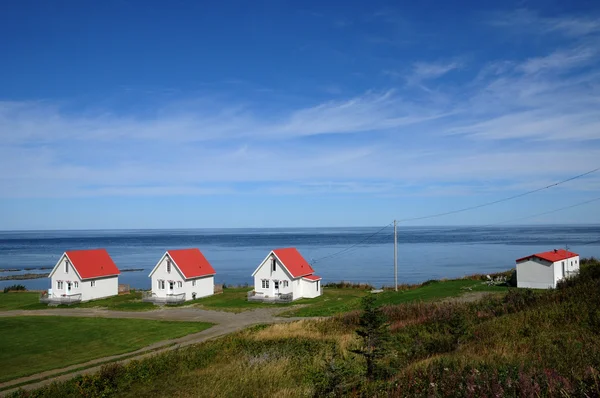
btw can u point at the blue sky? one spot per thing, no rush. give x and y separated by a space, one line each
127 114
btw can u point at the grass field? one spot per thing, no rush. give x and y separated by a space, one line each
21 301
123 302
519 344
31 345
333 301
336 301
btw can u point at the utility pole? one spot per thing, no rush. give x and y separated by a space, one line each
395 257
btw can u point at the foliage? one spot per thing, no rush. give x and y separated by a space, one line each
520 344
14 288
373 330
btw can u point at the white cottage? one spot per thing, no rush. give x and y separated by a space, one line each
82 275
182 275
285 272
544 270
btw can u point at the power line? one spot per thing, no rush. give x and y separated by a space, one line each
350 247
355 246
499 200
550 211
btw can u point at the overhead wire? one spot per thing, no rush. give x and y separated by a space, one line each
499 200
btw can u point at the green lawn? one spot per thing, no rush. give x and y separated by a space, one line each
31 345
123 302
233 300
437 290
21 301
333 301
336 301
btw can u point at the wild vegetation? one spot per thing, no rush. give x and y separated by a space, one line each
14 288
520 344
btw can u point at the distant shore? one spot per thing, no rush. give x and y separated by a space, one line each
22 277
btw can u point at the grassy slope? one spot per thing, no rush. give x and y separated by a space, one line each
34 344
333 301
21 301
123 302
521 344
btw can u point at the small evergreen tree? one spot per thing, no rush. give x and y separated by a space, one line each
374 332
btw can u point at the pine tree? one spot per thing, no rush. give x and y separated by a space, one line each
374 332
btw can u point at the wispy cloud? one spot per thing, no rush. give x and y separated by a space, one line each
392 141
531 21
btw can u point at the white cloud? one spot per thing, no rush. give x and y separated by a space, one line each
431 70
532 22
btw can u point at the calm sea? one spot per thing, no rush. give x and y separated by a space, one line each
423 252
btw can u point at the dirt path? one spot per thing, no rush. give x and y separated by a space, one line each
226 322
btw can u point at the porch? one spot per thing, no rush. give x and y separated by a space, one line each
150 297
261 297
67 299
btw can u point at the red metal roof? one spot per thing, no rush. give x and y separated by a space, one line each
191 263
293 261
312 277
92 263
552 256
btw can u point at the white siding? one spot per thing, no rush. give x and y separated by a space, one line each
311 289
104 287
535 273
299 287
204 286
265 272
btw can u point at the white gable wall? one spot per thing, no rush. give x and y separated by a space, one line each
204 286
535 273
280 274
104 287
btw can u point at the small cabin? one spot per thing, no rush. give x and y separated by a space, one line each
544 270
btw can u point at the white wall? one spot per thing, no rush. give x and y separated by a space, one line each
280 274
535 273
571 267
204 286
311 289
104 287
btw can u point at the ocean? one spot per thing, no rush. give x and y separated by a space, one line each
348 254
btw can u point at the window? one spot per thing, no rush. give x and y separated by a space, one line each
179 284
69 286
193 283
265 283
276 284
169 266
59 285
161 285
273 264
93 283
75 284
171 285
285 283
66 266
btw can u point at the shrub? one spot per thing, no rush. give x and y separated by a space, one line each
14 288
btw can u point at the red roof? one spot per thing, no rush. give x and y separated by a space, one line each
312 277
191 263
92 263
293 261
552 256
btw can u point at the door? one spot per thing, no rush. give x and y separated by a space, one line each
276 286
171 286
68 287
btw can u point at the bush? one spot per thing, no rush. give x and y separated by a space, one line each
14 288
